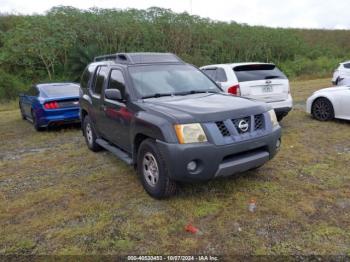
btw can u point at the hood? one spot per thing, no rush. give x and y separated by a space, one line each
205 107
333 89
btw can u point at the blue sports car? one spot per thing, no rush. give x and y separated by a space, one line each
49 104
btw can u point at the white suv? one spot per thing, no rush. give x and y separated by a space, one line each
259 81
341 73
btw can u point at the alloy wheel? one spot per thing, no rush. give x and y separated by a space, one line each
150 169
322 110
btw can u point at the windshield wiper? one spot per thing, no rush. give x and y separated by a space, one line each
157 95
195 92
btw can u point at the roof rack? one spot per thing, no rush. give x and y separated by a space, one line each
140 58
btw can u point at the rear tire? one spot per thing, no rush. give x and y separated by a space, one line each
153 171
322 109
35 122
90 135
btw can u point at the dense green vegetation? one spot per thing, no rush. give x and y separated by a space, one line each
58 45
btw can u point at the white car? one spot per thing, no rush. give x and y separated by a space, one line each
329 103
344 81
342 72
259 81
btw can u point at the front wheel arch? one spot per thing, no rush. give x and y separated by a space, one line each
165 186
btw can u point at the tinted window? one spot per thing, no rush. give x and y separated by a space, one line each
173 79
221 75
257 72
217 74
211 73
116 81
60 90
87 75
100 79
347 65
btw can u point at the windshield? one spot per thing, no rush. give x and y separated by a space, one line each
60 90
255 72
158 80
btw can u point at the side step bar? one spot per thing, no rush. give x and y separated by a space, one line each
115 150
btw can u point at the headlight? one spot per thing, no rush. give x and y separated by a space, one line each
273 118
190 133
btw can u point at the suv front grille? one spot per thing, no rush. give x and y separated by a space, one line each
259 122
242 126
222 128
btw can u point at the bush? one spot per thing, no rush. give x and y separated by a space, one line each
10 86
311 68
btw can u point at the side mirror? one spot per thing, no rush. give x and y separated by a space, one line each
113 94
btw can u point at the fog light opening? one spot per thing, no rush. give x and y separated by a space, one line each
192 166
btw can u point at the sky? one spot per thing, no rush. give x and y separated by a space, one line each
273 13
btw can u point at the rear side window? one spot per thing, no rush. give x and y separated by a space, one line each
221 75
347 65
211 73
116 81
256 72
100 78
217 74
85 78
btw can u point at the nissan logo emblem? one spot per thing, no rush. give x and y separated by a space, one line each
243 125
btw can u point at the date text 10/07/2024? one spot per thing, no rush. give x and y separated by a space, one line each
173 258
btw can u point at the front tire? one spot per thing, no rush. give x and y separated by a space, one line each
153 171
22 112
90 135
322 109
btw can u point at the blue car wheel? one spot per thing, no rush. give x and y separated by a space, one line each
35 122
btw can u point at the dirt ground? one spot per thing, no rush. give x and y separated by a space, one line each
57 197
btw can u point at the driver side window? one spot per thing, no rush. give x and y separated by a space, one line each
100 78
116 81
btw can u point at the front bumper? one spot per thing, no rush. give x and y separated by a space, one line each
309 102
218 161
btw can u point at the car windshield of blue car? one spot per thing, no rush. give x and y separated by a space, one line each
60 90
166 80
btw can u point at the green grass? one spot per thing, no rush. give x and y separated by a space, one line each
57 197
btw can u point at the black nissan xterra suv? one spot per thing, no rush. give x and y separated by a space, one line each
171 121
